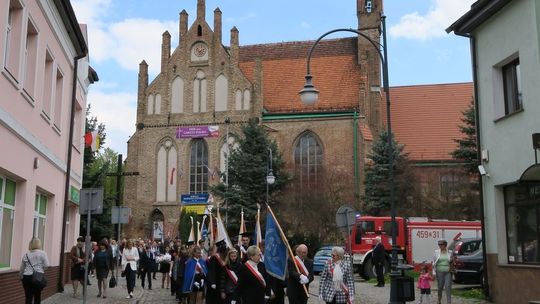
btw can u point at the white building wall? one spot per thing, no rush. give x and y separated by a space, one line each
513 31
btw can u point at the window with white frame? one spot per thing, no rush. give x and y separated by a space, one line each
522 210
12 55
512 87
8 189
58 99
47 85
40 216
30 59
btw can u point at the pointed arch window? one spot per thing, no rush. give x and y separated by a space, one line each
308 156
199 92
177 95
167 157
198 167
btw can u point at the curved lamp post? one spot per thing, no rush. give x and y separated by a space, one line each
309 96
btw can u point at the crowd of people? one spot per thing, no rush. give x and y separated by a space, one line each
216 274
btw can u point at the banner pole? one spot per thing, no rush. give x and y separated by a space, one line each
288 246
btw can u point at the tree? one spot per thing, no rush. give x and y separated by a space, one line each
377 187
247 174
95 168
467 151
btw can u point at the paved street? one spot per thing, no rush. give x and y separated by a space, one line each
366 294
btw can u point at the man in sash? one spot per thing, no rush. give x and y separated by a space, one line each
244 244
216 265
194 277
299 278
252 279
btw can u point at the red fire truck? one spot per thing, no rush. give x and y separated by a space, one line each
416 239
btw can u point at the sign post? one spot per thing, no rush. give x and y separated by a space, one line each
91 202
345 218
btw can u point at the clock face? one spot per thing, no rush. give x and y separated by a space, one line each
200 50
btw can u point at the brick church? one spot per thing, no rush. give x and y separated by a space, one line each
207 90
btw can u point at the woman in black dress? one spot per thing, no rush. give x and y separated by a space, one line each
164 261
103 262
253 284
229 278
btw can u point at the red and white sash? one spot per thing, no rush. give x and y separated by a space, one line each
198 268
301 266
232 275
220 260
256 273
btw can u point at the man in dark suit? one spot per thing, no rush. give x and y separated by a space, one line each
146 263
378 261
299 277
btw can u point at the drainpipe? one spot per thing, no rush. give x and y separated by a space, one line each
68 170
355 156
479 156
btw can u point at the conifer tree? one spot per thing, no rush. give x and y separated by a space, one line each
467 150
247 175
377 186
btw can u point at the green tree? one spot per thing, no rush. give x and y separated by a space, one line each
467 151
96 166
247 174
377 186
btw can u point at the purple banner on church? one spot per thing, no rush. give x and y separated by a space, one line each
197 132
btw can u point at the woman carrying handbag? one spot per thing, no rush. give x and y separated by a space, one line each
35 260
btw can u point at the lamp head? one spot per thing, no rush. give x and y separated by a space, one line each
309 95
270 178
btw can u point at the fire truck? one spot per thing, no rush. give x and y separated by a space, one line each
416 239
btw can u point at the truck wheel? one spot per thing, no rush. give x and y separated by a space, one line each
368 270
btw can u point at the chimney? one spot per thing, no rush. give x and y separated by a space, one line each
201 10
165 51
234 46
183 25
217 26
141 90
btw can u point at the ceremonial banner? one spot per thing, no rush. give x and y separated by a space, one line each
275 253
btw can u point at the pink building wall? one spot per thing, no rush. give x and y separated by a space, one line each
33 151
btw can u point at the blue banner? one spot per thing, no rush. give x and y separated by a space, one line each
275 252
194 199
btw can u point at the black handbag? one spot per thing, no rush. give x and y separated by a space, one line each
123 274
38 278
112 282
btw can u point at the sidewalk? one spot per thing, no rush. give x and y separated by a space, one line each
115 295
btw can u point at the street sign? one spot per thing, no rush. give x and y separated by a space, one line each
120 215
345 217
91 199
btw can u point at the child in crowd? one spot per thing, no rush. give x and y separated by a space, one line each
424 284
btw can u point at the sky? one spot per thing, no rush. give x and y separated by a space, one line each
122 33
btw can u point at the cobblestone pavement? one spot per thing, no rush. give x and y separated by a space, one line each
366 293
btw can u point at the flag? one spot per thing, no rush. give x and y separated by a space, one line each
92 140
258 235
275 252
222 232
192 233
203 234
242 228
198 236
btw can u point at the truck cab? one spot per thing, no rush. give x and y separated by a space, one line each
362 240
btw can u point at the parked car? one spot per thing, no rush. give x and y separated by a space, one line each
321 257
469 260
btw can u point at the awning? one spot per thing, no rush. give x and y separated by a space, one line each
531 174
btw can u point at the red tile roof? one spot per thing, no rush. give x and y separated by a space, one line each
426 118
336 73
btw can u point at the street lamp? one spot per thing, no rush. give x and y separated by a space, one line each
309 96
270 178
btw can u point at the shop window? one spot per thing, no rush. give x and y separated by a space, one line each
522 210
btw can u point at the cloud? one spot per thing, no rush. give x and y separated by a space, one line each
305 25
440 15
128 41
118 112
